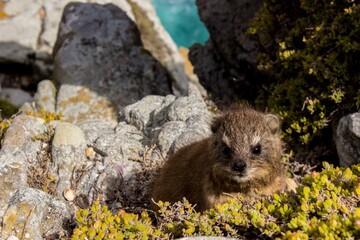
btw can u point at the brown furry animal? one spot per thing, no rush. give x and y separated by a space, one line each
242 156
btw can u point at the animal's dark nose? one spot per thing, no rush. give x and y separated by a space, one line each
240 166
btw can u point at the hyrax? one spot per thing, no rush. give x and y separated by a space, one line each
241 156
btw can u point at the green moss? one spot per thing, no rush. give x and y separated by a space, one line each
310 51
325 206
7 108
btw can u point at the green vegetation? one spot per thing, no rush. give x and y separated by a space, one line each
325 206
311 52
7 108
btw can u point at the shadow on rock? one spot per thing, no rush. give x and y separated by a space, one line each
23 67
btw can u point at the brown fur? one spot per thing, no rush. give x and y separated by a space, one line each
204 171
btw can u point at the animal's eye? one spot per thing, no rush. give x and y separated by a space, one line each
256 150
227 151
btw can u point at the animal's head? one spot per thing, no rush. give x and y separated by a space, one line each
246 144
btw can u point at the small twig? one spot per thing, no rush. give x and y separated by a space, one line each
27 218
98 151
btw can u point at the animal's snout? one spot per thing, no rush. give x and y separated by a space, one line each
240 166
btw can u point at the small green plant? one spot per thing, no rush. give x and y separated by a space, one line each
325 206
310 52
99 222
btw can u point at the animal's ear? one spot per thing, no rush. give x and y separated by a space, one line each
273 123
215 124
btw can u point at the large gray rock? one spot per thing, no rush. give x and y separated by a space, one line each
347 140
33 214
168 122
226 65
108 58
42 17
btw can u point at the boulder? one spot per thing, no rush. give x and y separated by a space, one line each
347 140
226 65
99 48
33 214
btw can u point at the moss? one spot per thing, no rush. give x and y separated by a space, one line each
7 108
325 206
46 115
310 51
4 125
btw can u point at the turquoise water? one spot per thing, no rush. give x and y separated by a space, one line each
180 18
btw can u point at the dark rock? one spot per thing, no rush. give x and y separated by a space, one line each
347 140
99 47
226 65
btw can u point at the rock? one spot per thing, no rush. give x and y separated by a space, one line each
18 148
32 49
77 104
168 122
53 11
170 132
94 128
33 214
45 96
29 52
69 194
68 153
16 96
25 56
107 59
347 140
147 113
20 55
227 65
14 48
157 40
